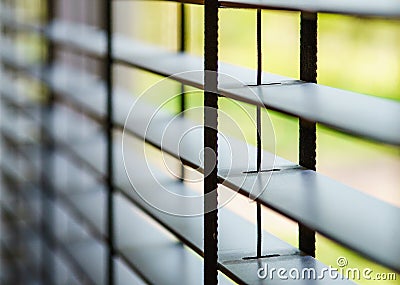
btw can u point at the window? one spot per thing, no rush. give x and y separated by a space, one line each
119 157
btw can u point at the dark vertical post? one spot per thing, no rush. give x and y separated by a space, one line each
109 133
259 143
259 46
210 142
182 27
182 48
47 145
307 129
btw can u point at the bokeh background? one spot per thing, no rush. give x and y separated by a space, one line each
361 55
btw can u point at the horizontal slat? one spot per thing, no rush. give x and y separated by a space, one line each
25 265
375 8
58 30
70 237
30 196
365 116
287 191
236 240
81 252
13 55
23 131
85 205
9 19
139 124
11 88
330 199
361 115
30 213
70 178
14 163
86 252
124 275
32 247
89 253
80 205
91 256
154 249
62 272
391 212
94 216
232 250
187 229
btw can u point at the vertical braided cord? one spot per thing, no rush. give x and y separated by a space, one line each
307 129
210 142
